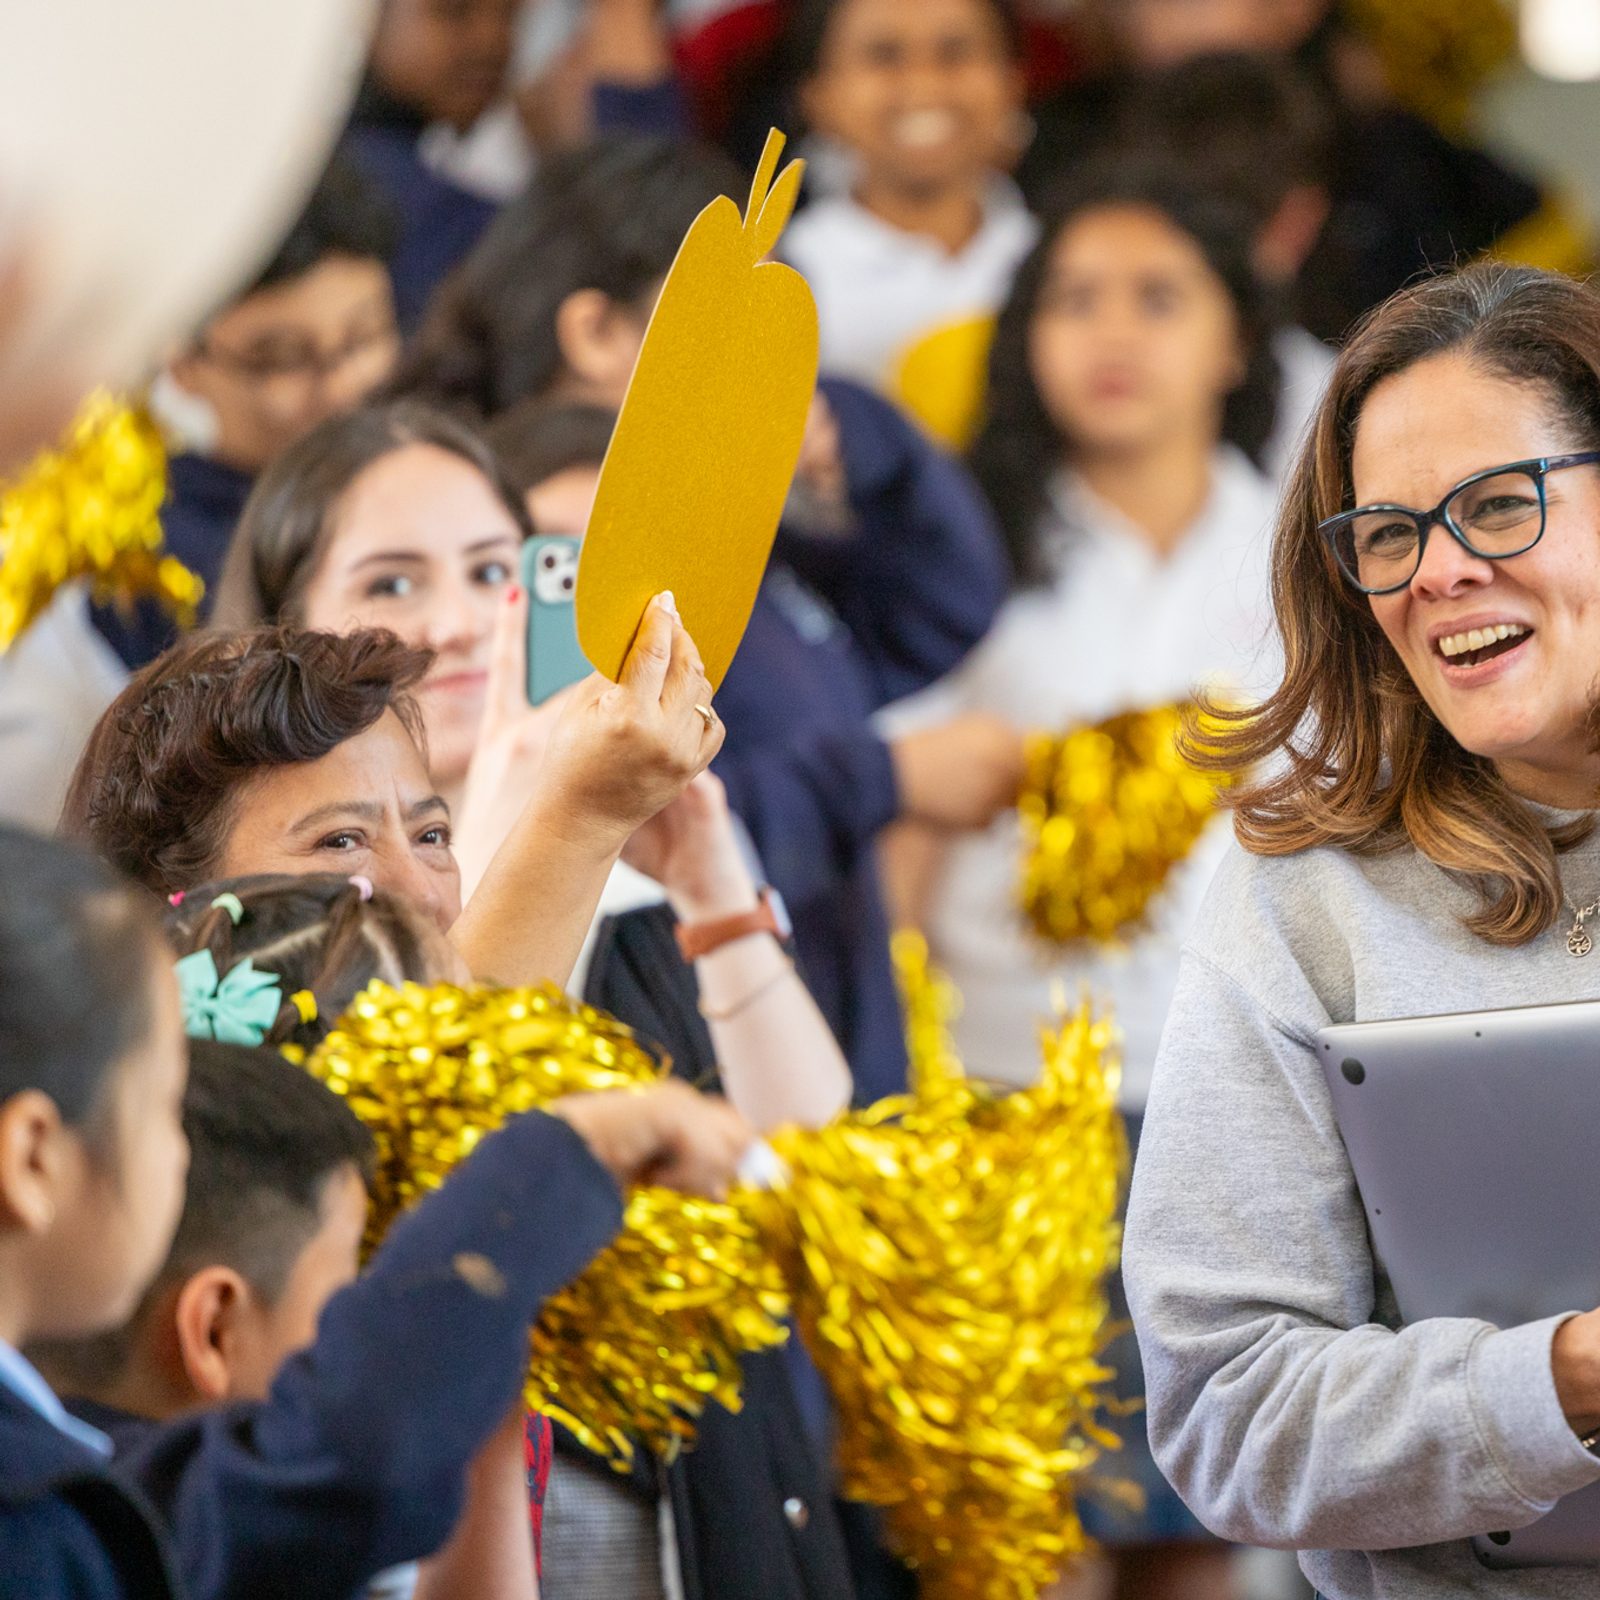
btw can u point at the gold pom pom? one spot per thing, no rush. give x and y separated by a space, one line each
947 1253
654 1328
89 510
1107 812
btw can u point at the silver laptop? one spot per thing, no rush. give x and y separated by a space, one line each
1473 1139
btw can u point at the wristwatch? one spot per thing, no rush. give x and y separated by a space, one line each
696 939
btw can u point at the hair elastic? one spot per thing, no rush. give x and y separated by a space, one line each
177 897
305 1003
362 885
232 904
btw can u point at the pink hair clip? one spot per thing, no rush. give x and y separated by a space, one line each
362 885
178 898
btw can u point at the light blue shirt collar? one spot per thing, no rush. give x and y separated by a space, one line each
21 1377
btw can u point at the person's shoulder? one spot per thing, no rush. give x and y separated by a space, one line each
822 226
1290 929
1010 229
1242 492
50 1550
1301 353
68 1527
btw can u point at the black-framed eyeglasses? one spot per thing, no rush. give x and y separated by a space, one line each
1493 514
298 363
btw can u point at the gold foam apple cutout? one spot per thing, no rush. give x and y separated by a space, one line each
708 436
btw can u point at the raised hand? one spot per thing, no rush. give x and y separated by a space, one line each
621 752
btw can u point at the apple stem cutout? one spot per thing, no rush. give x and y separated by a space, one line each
708 436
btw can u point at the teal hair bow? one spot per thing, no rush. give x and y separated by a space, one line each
238 1009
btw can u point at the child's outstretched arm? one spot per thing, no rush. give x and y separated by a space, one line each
776 1056
358 1459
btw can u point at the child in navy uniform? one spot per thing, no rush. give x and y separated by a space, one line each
357 1459
273 1218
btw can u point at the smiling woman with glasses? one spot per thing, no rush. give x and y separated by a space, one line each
1420 838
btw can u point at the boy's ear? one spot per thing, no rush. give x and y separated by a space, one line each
597 346
35 1147
207 1315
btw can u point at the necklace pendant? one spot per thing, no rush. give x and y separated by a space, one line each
1578 941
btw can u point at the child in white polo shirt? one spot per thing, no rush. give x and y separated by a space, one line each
926 96
1131 381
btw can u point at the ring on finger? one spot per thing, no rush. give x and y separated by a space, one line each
709 715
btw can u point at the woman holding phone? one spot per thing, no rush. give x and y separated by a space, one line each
1421 839
397 516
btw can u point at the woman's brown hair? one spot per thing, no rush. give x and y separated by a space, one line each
1353 755
154 791
284 529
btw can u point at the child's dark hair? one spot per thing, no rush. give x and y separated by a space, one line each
347 215
1248 126
78 947
1020 447
537 439
265 1138
316 933
283 531
609 216
806 38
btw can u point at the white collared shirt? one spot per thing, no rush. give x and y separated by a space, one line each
879 289
1120 628
54 683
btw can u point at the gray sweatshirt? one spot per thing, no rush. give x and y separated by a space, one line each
1287 1403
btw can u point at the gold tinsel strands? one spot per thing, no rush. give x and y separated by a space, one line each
89 510
654 1328
1107 812
947 1252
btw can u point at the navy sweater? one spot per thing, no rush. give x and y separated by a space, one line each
198 516
439 220
357 1461
842 626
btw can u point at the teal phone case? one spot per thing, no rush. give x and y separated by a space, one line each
550 575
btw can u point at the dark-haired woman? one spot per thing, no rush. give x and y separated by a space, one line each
1126 387
1428 847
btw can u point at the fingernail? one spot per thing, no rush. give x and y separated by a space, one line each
667 603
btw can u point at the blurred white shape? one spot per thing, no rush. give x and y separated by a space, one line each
151 153
1561 38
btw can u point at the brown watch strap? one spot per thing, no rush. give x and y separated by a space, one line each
696 939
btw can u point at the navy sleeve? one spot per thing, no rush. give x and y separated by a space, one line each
645 108
812 805
920 580
357 1460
